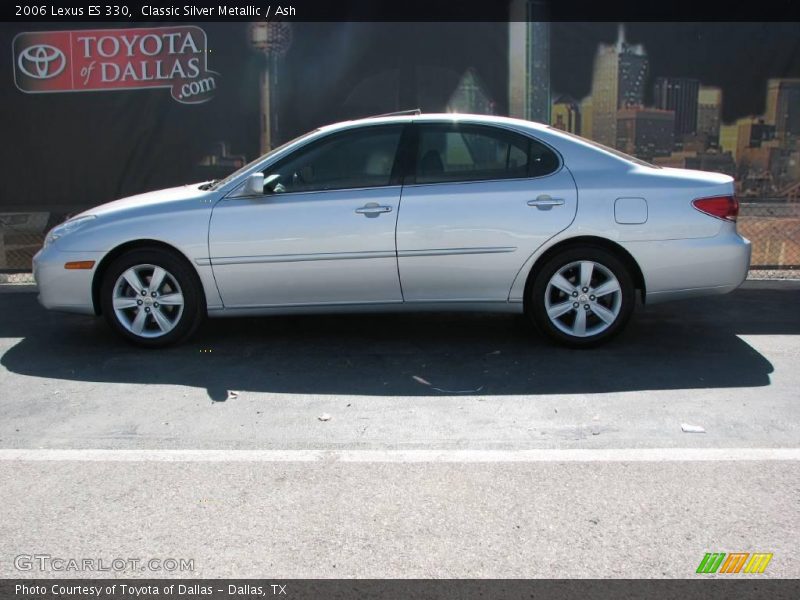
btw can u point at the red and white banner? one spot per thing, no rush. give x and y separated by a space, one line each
93 60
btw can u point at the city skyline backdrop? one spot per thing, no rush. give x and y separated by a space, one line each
327 72
737 57
690 95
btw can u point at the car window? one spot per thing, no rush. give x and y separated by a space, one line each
474 153
357 159
215 185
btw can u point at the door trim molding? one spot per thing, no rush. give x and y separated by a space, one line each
286 258
455 251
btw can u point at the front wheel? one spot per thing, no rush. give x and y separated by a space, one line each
152 298
581 297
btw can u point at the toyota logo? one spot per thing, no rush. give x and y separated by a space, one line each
41 61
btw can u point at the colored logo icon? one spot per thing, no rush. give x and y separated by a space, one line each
735 562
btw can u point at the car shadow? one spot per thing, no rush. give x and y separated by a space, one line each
681 345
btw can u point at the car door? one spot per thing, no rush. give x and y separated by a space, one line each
323 232
481 199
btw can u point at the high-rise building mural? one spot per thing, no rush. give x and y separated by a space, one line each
645 132
783 106
618 81
709 113
528 63
566 114
681 95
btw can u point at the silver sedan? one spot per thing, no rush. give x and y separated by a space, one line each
412 212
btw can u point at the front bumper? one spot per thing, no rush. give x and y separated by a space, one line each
63 289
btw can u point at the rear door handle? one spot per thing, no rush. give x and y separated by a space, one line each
373 209
545 202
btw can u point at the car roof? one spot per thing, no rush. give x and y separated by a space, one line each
437 118
565 144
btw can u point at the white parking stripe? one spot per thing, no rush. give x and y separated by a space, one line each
408 456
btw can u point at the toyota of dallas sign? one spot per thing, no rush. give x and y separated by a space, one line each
116 59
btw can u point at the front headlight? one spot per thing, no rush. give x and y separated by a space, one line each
66 227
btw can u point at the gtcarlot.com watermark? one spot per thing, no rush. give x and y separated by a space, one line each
50 563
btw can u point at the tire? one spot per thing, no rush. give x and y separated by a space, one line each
553 295
164 323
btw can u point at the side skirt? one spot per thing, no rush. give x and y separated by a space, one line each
396 307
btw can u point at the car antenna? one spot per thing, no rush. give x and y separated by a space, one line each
399 113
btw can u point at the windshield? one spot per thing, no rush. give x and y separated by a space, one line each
218 184
613 151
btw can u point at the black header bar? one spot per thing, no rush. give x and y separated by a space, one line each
131 11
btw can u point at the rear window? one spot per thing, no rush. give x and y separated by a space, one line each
452 153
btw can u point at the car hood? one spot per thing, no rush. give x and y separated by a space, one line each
166 198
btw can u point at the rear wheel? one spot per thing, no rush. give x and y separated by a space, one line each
581 297
152 298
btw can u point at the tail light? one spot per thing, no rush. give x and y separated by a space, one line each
722 207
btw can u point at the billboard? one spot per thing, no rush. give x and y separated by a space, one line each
91 60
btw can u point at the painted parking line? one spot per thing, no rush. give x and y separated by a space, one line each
406 456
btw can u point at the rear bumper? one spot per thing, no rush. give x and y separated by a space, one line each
676 269
63 289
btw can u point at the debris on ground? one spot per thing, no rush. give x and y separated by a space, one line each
687 428
419 379
232 395
475 391
324 417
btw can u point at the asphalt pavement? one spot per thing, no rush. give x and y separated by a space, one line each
432 445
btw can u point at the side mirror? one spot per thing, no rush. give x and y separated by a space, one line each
271 183
254 185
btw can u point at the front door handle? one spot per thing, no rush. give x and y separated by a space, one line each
373 209
545 202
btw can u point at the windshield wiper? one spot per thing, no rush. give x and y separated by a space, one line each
210 184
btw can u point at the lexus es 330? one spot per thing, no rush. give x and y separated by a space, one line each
412 212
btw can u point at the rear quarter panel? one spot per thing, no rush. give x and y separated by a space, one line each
677 247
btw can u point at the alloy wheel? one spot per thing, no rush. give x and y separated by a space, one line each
583 298
147 300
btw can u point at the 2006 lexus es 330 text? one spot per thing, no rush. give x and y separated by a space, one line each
410 212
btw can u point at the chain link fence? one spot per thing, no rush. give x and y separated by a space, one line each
773 227
21 236
771 224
